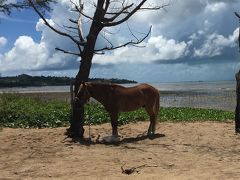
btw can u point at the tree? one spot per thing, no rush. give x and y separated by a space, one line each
7 8
237 111
107 13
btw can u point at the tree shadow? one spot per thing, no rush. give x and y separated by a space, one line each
141 137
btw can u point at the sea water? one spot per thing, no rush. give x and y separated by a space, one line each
178 86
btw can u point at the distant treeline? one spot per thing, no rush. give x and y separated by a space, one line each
24 80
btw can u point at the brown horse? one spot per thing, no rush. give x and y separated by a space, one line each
116 99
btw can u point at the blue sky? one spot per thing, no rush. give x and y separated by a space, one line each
190 41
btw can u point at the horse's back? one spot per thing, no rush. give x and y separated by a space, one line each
131 98
147 87
135 90
149 91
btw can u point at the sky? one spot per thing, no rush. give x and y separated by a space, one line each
190 41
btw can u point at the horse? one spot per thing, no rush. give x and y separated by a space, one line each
116 98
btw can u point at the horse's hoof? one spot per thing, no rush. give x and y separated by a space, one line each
111 139
74 133
151 135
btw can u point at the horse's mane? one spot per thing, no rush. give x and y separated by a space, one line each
103 84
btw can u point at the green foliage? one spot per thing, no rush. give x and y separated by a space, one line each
6 7
24 80
16 111
194 114
96 114
23 112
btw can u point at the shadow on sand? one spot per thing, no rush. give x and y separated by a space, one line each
141 137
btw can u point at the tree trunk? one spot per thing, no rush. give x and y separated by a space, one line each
77 120
237 111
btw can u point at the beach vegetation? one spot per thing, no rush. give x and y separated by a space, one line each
24 112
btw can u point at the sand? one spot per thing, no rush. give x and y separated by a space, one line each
200 150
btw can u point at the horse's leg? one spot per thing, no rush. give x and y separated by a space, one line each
152 126
155 111
114 123
153 117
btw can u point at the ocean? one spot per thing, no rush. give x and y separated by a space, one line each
210 86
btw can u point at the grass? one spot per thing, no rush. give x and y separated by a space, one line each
24 112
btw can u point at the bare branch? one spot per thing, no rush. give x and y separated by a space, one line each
51 27
106 5
79 24
87 16
131 31
104 37
132 43
67 29
79 8
70 27
127 16
154 7
67 52
238 30
72 21
117 14
237 15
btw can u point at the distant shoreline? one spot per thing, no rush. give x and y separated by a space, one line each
25 80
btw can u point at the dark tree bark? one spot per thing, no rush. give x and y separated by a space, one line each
237 110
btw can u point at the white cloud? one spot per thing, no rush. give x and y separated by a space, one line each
216 7
156 48
215 44
24 55
164 49
3 41
29 55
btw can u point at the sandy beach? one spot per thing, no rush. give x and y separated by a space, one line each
200 150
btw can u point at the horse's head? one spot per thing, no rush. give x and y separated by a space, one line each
82 95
